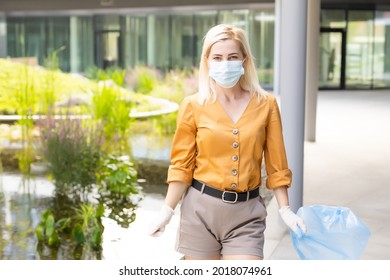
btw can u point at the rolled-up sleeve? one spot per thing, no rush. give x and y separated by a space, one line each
183 151
278 173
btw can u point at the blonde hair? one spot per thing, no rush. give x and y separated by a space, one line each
249 81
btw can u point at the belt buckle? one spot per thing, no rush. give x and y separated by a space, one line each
228 201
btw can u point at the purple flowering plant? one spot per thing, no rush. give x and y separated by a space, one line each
72 147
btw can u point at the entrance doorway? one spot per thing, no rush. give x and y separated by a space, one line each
108 49
332 58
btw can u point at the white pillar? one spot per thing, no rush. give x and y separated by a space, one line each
291 25
74 46
3 36
151 42
312 61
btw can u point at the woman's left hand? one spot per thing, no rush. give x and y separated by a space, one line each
292 220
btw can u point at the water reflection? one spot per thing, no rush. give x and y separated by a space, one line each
22 202
155 148
23 199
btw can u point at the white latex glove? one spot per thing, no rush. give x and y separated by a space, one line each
157 227
292 220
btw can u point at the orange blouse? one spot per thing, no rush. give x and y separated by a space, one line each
209 147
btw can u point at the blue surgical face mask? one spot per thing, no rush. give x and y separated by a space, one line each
226 73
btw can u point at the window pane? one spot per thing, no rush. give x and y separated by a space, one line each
81 43
235 17
134 48
39 37
34 38
158 41
203 22
261 37
107 22
15 37
58 40
381 67
333 18
183 41
359 49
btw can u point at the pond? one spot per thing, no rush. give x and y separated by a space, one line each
23 199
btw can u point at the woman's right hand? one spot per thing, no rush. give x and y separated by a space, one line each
157 226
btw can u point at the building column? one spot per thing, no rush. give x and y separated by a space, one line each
313 37
74 46
290 85
3 36
151 40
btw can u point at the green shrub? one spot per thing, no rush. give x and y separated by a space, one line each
117 181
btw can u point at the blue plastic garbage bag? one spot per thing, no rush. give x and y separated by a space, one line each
333 233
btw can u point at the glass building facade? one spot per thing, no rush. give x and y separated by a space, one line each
354 44
354 49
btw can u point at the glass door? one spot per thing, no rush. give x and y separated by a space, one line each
108 49
332 59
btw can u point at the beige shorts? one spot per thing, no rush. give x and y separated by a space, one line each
210 227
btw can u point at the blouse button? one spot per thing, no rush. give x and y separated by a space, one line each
234 172
235 131
234 158
235 145
233 186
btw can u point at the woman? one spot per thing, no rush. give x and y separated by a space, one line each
222 134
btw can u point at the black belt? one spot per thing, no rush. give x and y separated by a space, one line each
226 196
